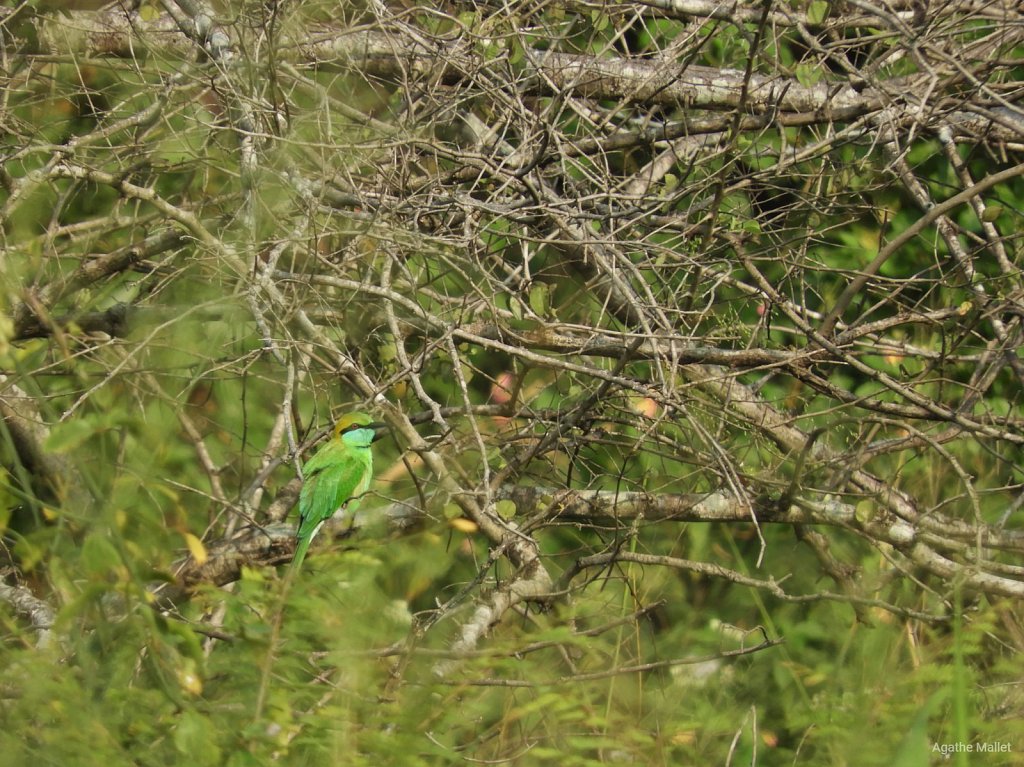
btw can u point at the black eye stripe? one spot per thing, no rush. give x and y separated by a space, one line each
353 426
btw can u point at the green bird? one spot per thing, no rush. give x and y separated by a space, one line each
335 477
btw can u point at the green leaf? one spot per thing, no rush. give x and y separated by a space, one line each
99 557
65 437
6 332
243 759
540 298
506 509
807 74
517 52
817 11
194 739
916 748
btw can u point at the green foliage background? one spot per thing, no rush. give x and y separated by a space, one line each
640 664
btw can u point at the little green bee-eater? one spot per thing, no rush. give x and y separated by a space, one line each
335 477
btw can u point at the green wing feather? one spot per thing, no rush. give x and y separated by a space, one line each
336 474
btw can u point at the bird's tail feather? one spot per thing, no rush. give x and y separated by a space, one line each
300 553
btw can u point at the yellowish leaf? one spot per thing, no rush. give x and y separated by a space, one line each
991 213
464 525
684 737
189 679
196 549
